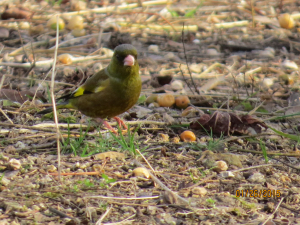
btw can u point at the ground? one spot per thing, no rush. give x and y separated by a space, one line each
236 62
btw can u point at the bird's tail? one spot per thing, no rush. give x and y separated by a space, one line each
63 105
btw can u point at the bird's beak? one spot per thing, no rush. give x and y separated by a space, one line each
129 60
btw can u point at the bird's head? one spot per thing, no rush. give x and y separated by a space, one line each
124 62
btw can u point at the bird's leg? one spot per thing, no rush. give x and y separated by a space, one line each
121 123
106 124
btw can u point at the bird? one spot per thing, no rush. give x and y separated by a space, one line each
109 92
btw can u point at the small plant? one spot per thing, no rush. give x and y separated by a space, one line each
237 211
2 177
191 13
173 13
212 143
141 99
247 105
86 182
52 195
248 205
211 202
264 151
244 203
102 205
53 2
103 144
128 143
193 178
76 143
107 180
75 188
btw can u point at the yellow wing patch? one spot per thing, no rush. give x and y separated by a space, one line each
79 91
102 86
91 88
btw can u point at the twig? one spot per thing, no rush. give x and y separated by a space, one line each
4 114
31 127
30 45
105 9
47 81
184 79
210 68
186 61
202 181
37 146
277 207
287 164
2 82
122 198
103 216
50 62
229 24
247 136
75 174
62 125
61 214
123 222
158 27
251 167
268 153
150 122
53 99
153 14
25 53
168 190
145 160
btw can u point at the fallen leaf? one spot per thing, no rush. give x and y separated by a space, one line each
20 96
228 123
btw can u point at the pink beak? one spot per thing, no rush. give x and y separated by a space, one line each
129 60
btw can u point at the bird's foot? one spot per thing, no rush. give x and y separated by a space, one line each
121 123
106 124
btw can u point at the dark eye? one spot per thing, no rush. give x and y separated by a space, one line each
119 57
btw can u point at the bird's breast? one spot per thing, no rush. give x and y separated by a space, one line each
112 101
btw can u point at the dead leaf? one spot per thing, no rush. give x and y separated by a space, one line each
228 123
20 96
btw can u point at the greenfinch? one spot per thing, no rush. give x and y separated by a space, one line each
110 92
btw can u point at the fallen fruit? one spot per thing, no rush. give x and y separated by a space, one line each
182 101
187 136
165 100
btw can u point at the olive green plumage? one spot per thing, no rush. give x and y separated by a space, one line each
111 91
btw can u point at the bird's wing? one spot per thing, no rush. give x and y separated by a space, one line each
98 82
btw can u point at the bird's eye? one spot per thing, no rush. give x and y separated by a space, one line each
119 57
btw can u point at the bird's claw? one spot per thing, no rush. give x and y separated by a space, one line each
121 123
109 127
